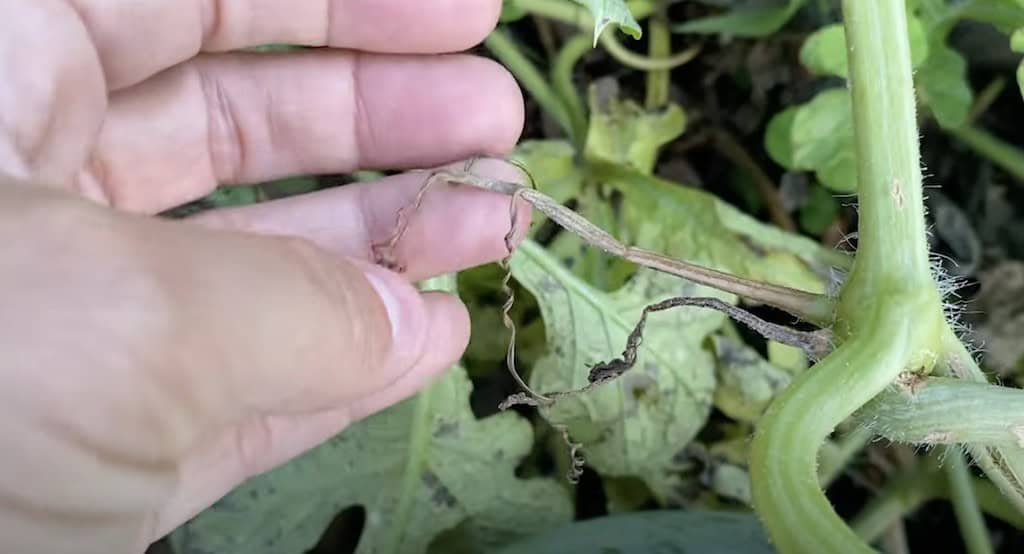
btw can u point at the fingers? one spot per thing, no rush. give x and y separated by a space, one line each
455 228
137 39
267 440
245 118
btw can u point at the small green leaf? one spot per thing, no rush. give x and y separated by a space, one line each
646 532
1017 41
943 85
624 133
824 52
820 211
822 136
839 174
778 137
746 23
607 12
419 468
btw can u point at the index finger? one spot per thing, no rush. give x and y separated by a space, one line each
140 38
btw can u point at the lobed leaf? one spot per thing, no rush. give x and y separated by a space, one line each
420 468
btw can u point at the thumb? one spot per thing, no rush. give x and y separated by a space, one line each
277 325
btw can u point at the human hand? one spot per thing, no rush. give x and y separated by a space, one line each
148 366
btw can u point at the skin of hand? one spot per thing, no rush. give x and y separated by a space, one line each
147 366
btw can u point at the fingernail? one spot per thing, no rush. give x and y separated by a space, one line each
399 299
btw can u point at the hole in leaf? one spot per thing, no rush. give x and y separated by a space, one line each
343 533
591 501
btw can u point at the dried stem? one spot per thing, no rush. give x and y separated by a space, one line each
805 305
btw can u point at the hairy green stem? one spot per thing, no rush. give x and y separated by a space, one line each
1003 154
787 494
889 311
944 410
1004 465
506 51
562 81
965 504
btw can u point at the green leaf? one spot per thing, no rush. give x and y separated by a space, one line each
822 138
607 12
778 137
747 383
820 211
421 467
698 531
824 51
623 132
635 424
943 85
1017 40
746 23
593 266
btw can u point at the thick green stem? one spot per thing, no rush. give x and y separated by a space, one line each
506 51
889 312
1004 465
932 411
783 458
965 504
892 249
